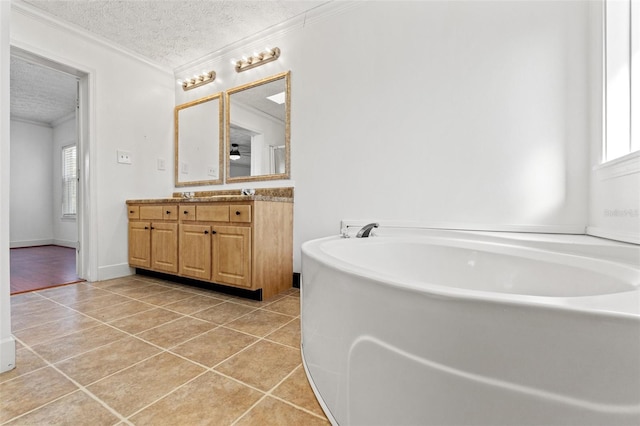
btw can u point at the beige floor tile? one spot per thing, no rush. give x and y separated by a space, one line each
26 362
110 313
287 305
77 408
98 302
255 303
132 389
19 299
164 298
32 390
295 292
70 294
131 279
77 343
287 335
210 399
214 346
33 307
297 390
193 304
270 411
259 323
138 290
176 332
106 360
223 313
22 321
262 365
138 323
54 329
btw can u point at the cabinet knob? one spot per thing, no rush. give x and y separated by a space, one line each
153 227
186 212
131 211
206 232
213 232
237 213
146 227
168 211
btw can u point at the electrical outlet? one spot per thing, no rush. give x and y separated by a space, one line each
161 164
211 171
184 168
124 157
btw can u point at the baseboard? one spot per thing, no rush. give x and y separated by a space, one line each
114 271
65 243
625 237
7 354
30 243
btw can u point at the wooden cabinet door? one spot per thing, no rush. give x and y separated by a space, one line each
232 255
195 251
164 246
140 244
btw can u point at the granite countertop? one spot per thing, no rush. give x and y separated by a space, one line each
283 195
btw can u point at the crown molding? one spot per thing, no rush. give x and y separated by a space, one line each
27 10
318 13
58 121
32 122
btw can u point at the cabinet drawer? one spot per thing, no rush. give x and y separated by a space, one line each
240 213
213 213
187 212
161 212
133 212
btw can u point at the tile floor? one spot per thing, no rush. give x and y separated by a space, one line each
143 351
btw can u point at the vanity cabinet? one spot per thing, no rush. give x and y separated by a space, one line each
243 244
153 237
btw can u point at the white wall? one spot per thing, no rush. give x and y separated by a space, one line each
132 114
7 343
447 113
31 186
65 230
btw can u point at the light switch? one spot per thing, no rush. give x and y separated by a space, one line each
161 164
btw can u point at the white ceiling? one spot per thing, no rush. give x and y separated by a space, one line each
170 33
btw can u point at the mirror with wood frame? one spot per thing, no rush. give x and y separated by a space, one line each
199 142
257 128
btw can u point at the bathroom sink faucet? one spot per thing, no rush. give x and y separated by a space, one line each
366 230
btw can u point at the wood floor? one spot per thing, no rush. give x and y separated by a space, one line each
34 268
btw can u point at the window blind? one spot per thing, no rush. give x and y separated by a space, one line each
69 180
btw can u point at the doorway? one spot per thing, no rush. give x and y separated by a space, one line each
47 140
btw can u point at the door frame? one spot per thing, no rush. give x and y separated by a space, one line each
86 249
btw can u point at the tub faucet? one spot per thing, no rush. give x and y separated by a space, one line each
366 230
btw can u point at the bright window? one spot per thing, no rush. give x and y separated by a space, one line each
69 181
622 81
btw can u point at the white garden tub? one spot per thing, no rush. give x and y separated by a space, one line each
461 328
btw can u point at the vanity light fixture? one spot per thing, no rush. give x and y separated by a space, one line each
234 154
198 80
257 59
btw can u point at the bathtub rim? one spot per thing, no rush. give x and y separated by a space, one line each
608 304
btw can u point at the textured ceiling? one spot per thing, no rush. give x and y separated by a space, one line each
39 93
171 33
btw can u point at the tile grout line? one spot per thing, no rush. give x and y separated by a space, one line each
170 349
78 385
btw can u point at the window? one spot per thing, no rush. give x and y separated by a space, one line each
621 78
69 181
